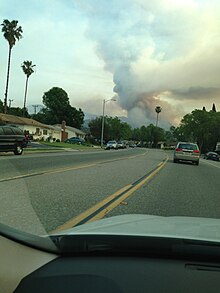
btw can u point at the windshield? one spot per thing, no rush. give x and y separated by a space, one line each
76 78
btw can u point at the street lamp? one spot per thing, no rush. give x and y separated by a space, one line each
103 118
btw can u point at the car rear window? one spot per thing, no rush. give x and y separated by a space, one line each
17 131
11 131
188 146
8 131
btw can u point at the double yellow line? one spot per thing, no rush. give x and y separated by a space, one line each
102 208
59 170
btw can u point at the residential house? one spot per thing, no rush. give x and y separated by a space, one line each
71 131
40 131
34 128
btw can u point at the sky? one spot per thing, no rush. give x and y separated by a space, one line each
143 53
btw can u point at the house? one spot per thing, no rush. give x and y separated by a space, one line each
40 131
71 131
34 128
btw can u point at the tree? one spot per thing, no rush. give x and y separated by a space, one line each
75 117
114 129
170 135
201 127
11 32
126 131
155 134
16 111
56 100
158 109
136 134
58 109
149 135
95 126
213 108
28 69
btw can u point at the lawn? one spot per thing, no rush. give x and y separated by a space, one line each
69 145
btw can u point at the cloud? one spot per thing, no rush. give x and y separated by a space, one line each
196 93
159 52
147 53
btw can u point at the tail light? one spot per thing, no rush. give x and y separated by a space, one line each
196 151
179 150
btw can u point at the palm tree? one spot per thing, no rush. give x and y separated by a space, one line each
158 109
28 69
11 32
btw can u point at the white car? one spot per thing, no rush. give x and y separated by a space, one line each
186 151
112 144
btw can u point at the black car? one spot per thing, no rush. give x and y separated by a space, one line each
12 139
211 156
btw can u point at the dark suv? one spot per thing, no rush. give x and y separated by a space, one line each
12 139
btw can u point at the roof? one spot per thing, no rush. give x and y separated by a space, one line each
55 127
11 119
73 129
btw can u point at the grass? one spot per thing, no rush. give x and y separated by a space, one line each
68 145
27 150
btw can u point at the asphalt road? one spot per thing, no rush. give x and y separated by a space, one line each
41 192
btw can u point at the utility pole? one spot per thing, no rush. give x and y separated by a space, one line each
10 101
35 108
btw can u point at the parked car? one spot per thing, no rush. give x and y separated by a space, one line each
186 151
132 145
12 139
75 140
112 144
211 156
121 144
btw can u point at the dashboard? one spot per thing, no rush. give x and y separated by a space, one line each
25 269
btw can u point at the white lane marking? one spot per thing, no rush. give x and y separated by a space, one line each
211 164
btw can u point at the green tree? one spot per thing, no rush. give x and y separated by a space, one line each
58 109
28 69
56 100
149 135
202 127
75 117
155 134
41 116
95 126
16 111
126 131
114 128
12 32
170 136
136 134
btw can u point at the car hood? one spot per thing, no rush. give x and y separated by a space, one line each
147 225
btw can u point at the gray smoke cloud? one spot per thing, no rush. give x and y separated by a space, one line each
157 53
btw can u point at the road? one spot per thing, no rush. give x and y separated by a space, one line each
56 191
